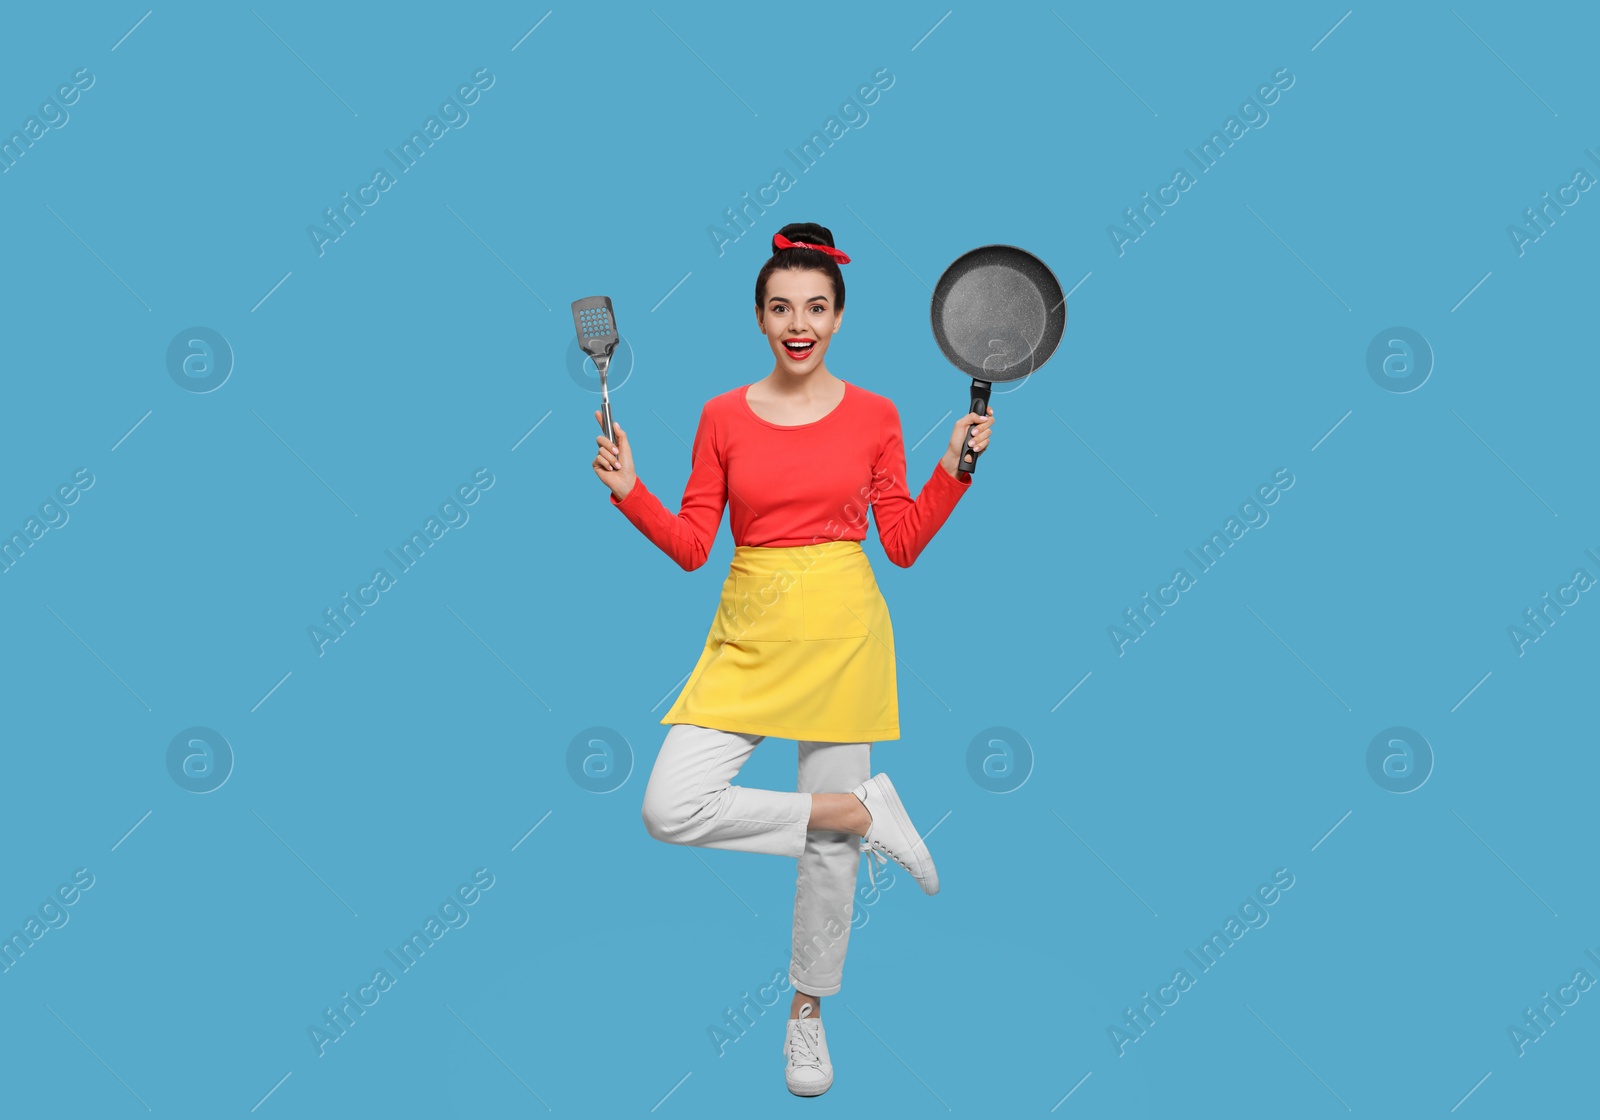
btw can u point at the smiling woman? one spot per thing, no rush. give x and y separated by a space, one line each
800 302
801 645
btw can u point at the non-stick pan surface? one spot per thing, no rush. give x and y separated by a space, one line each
998 313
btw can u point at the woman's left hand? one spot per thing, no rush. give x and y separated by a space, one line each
958 437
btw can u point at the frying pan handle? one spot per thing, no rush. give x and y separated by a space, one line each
968 462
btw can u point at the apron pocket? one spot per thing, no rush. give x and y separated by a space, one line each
762 610
833 606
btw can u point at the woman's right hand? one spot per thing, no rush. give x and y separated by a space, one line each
613 463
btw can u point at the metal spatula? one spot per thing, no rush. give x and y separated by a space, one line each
597 336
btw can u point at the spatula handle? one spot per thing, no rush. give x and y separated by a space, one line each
968 462
602 363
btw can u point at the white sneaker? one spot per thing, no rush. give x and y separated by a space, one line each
892 835
809 1072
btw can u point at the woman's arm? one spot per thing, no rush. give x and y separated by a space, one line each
905 526
688 535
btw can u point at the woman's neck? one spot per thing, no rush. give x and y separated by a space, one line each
815 385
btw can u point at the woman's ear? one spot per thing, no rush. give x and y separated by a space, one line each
760 324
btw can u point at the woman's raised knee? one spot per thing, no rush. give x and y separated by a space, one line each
667 817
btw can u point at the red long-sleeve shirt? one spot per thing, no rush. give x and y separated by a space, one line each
794 484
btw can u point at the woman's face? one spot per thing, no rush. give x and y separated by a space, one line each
799 310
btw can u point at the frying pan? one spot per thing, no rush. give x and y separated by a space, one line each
998 314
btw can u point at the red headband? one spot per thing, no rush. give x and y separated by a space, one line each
779 241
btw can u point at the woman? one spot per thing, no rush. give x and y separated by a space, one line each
801 647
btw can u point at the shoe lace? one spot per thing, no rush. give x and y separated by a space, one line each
804 1042
876 850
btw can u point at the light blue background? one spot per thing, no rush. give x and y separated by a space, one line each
431 340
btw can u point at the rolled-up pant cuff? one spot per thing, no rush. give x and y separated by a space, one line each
807 988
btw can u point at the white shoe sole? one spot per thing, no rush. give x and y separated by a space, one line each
812 1090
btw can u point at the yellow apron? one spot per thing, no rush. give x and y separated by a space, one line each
801 648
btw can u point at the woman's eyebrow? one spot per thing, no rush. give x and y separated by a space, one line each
813 299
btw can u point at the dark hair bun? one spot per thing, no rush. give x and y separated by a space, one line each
808 232
782 259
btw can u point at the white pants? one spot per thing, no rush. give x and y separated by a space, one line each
689 800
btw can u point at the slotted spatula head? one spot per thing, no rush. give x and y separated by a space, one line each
597 336
597 325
